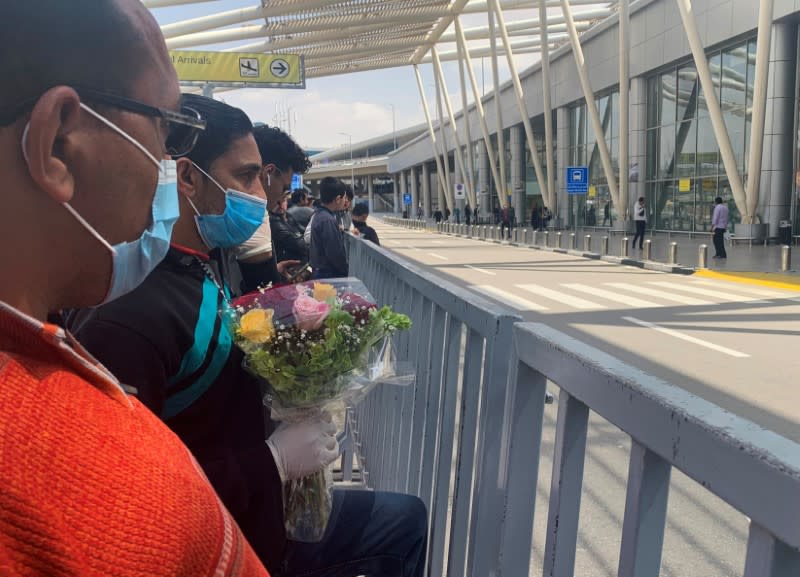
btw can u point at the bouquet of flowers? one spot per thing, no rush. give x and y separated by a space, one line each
315 343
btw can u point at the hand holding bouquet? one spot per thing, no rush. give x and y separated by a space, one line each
315 344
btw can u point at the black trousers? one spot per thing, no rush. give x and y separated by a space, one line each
719 243
640 225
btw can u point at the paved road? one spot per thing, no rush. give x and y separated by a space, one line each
729 343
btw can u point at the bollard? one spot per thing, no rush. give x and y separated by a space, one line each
587 243
605 245
786 258
673 253
534 238
483 232
573 241
558 239
547 238
624 246
702 256
647 245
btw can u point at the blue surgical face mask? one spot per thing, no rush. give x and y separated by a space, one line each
133 261
243 214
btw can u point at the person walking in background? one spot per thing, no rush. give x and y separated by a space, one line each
607 214
719 224
536 217
468 214
457 213
419 212
360 215
437 216
640 218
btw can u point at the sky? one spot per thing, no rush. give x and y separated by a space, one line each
361 104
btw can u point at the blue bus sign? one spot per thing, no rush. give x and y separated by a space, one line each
406 199
577 179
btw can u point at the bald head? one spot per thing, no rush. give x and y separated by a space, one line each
105 45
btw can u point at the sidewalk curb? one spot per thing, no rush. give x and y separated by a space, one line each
620 260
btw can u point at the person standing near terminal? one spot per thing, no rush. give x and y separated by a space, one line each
507 220
468 214
328 257
719 224
640 220
91 482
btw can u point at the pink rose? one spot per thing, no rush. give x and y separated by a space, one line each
309 313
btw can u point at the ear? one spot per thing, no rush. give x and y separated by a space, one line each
188 177
51 140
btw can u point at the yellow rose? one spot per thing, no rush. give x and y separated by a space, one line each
256 326
324 291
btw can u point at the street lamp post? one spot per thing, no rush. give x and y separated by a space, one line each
394 129
352 175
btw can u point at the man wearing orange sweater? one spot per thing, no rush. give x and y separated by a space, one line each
91 483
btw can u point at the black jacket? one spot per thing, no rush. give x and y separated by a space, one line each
328 257
367 231
167 340
299 216
287 242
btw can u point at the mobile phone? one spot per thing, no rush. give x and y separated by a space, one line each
299 271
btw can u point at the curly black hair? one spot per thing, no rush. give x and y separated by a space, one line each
278 148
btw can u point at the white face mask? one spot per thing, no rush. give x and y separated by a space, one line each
133 261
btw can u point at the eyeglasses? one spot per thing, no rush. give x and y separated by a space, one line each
183 128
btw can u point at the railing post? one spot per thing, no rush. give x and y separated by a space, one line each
573 241
647 245
534 238
558 239
587 243
702 256
624 246
605 245
786 258
673 253
547 238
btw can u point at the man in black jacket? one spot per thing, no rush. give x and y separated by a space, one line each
360 214
167 340
287 237
328 257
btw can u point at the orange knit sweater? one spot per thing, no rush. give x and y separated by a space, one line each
91 482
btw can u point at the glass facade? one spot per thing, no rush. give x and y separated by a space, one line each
684 172
594 208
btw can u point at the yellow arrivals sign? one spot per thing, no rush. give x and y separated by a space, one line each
684 185
239 69
592 191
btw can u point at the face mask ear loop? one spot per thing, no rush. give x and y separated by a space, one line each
209 177
124 135
90 228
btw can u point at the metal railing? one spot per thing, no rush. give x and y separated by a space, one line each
405 222
466 438
407 438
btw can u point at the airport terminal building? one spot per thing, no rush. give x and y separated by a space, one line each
674 156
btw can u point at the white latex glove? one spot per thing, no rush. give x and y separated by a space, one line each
258 245
301 449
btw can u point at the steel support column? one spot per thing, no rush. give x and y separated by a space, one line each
498 110
415 201
523 108
458 153
472 191
591 104
444 194
548 188
759 108
714 110
624 107
432 134
426 190
479 105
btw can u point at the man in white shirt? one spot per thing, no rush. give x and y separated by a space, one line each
719 224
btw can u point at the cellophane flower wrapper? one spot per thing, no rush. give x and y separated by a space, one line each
314 345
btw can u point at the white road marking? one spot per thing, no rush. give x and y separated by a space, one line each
440 257
686 300
438 242
508 298
484 271
558 296
612 296
690 339
708 292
